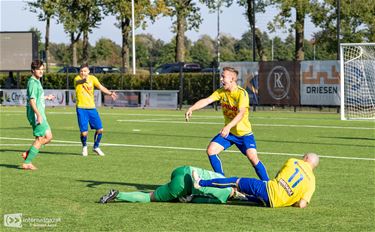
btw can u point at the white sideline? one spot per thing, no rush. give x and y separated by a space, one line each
254 124
75 143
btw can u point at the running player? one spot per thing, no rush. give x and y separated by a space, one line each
234 102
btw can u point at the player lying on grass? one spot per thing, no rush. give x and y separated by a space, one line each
294 184
179 188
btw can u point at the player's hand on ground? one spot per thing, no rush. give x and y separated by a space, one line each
188 114
185 199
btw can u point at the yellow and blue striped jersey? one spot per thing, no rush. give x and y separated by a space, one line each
295 181
231 102
85 92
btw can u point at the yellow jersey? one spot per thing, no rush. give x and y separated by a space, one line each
231 102
295 181
85 92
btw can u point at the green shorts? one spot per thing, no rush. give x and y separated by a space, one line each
180 185
41 129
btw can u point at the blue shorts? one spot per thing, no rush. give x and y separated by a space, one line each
242 142
86 116
256 188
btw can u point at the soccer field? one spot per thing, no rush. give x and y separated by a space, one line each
142 148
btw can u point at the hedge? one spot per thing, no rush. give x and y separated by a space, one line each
196 85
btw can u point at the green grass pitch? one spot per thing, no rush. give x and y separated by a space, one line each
142 148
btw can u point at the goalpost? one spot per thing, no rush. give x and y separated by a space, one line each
357 72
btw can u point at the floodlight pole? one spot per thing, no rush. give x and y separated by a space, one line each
218 34
253 29
338 28
133 38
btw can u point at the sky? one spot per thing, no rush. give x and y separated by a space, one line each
15 17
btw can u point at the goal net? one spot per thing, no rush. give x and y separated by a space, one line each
357 68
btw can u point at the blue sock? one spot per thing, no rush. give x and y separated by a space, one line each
219 182
216 164
97 138
83 140
261 171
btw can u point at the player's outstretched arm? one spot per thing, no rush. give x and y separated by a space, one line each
198 105
106 91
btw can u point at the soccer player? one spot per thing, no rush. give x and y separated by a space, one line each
179 188
85 107
294 184
35 112
234 102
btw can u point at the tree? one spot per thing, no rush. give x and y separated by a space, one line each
122 10
227 50
45 9
79 17
302 9
187 18
106 52
357 22
203 50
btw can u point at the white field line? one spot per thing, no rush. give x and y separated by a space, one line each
181 115
74 143
255 124
10 113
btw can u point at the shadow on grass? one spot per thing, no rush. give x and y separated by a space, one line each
94 183
10 166
349 138
20 151
16 128
320 143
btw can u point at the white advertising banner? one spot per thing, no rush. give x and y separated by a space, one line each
60 99
14 97
17 97
97 97
320 83
125 98
159 99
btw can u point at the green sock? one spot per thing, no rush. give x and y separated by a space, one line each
32 153
134 197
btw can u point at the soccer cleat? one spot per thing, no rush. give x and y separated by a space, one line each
196 179
28 167
84 151
98 151
25 154
109 197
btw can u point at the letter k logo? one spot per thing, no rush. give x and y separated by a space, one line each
277 82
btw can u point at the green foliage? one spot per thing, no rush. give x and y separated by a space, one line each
203 51
105 52
357 22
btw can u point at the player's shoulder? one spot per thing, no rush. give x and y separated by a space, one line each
92 77
241 91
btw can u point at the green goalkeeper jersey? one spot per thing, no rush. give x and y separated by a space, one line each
181 185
